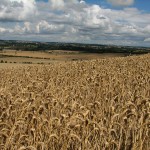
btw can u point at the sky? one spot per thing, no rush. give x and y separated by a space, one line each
114 22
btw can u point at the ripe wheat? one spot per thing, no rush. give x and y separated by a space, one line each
83 105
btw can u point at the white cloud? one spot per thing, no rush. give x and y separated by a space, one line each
147 40
17 10
147 29
72 21
121 2
82 1
5 30
61 4
44 27
2 30
57 4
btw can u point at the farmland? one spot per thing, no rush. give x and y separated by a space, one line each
12 57
76 105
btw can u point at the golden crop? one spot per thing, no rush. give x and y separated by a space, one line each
85 105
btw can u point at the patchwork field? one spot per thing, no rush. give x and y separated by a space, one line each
99 104
35 57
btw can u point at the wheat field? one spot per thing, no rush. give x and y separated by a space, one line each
101 104
52 55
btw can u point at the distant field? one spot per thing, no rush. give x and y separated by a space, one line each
35 57
24 60
25 53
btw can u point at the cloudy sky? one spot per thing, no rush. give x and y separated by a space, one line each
119 22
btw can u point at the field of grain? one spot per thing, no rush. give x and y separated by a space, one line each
23 60
53 55
84 105
13 65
